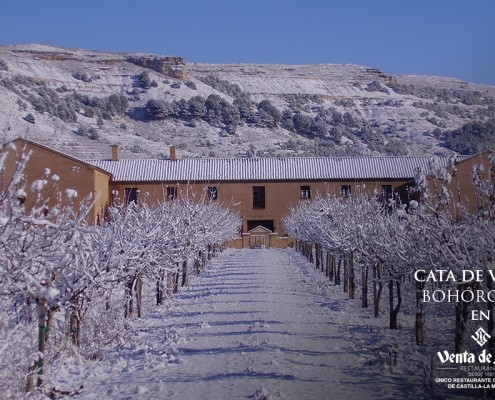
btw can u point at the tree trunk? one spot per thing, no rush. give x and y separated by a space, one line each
49 320
392 321
176 279
108 304
169 283
419 319
418 326
42 328
394 310
30 378
364 286
377 289
75 322
331 266
159 288
490 326
197 264
346 272
138 289
317 256
399 302
337 272
184 274
129 307
320 256
461 315
159 293
352 282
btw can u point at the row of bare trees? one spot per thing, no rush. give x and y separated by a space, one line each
361 240
67 287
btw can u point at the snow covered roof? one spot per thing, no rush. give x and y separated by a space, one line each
265 169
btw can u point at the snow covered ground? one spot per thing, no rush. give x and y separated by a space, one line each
260 324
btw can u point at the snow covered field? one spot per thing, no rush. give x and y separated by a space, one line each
261 324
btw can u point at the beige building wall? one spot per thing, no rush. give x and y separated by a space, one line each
101 196
280 197
461 186
72 174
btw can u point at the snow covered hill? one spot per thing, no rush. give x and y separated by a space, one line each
81 102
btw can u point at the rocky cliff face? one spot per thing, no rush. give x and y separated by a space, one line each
173 67
81 102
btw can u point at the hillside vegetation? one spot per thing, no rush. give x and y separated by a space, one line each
81 102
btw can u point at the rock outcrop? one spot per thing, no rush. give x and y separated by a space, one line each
174 67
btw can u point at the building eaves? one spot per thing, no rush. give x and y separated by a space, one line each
266 169
65 155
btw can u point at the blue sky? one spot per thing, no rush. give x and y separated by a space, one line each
451 38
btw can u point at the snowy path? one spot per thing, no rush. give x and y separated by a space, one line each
251 325
257 324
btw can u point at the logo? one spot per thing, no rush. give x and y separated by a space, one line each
481 337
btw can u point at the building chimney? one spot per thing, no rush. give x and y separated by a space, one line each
115 152
172 153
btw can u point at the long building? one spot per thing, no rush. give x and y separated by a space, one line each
262 190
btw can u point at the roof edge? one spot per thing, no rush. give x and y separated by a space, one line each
45 147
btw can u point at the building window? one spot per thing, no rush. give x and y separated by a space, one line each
131 195
305 192
212 192
345 190
386 194
171 192
258 197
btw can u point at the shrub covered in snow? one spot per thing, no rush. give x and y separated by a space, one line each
231 89
472 138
